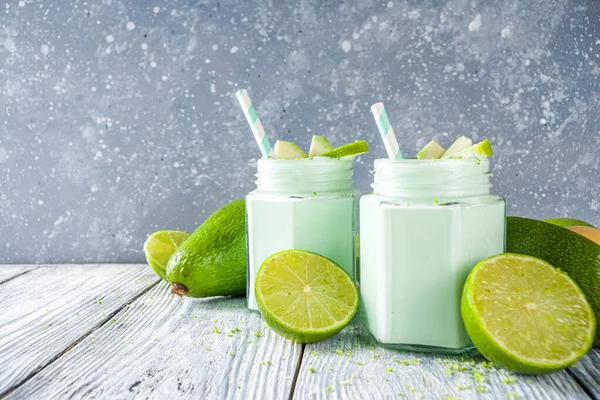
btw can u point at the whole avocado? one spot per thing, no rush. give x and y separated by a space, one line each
212 261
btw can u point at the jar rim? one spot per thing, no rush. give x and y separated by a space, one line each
414 161
325 160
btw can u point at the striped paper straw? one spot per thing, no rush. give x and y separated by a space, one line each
257 129
386 131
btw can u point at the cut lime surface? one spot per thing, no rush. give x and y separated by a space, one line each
348 150
525 315
305 297
160 246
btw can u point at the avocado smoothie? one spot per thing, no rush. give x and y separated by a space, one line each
426 225
304 204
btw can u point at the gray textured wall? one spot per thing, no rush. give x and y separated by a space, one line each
118 118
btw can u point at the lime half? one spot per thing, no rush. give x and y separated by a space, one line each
160 246
305 297
348 150
525 315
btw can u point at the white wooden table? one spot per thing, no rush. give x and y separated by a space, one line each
115 332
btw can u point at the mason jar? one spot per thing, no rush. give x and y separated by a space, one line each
426 225
305 204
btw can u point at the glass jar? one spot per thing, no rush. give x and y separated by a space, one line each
426 225
304 204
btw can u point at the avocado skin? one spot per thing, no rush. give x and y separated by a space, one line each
212 261
572 253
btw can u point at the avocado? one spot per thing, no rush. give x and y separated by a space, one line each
212 261
433 150
319 145
459 145
288 151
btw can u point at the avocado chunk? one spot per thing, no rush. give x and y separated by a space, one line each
288 151
433 150
319 145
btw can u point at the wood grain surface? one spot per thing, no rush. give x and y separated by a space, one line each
162 346
115 331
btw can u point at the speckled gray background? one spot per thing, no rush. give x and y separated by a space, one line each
117 118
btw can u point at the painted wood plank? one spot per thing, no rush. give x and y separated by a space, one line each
352 366
165 347
587 372
49 309
11 271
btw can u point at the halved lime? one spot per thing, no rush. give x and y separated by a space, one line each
305 297
348 150
525 315
160 246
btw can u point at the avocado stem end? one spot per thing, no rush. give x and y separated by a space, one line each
179 289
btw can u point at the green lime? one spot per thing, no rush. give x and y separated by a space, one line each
160 246
348 150
568 222
572 253
525 315
305 297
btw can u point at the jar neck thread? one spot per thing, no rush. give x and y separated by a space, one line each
306 176
432 178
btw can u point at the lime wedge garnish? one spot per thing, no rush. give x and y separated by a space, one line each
480 150
160 246
348 150
525 315
305 297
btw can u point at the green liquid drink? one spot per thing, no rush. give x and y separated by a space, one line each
422 231
304 204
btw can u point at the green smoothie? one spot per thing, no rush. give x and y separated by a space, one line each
422 231
304 204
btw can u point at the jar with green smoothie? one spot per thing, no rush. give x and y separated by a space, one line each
302 203
422 230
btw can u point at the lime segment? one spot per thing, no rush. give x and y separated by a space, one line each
348 150
523 314
160 246
305 297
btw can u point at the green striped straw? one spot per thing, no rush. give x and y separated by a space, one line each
387 133
257 129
